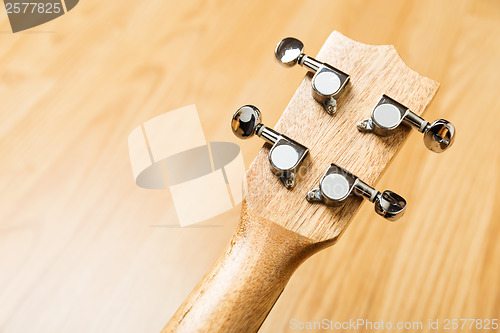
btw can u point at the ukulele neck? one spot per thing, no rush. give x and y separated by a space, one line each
245 282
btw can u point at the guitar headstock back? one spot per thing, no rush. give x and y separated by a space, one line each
374 71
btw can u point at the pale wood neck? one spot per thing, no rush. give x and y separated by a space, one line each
245 282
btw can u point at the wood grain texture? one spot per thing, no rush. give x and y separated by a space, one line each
82 249
374 71
238 292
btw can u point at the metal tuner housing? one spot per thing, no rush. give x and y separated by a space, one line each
337 185
389 114
328 82
286 156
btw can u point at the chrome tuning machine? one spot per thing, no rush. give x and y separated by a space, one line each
389 114
337 185
328 82
286 155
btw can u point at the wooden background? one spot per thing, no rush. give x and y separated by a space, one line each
82 249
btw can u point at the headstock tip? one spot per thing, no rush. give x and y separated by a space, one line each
374 71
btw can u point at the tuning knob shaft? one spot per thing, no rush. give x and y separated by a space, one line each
286 156
389 114
338 184
328 82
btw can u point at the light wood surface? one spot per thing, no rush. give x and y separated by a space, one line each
82 249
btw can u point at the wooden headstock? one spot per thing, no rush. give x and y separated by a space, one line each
374 71
279 229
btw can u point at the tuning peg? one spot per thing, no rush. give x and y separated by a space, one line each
337 185
327 83
286 155
388 114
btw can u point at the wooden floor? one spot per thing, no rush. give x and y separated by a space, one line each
80 245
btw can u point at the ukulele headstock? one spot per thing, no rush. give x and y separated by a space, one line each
374 71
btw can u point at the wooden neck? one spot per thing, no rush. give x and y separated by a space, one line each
245 282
